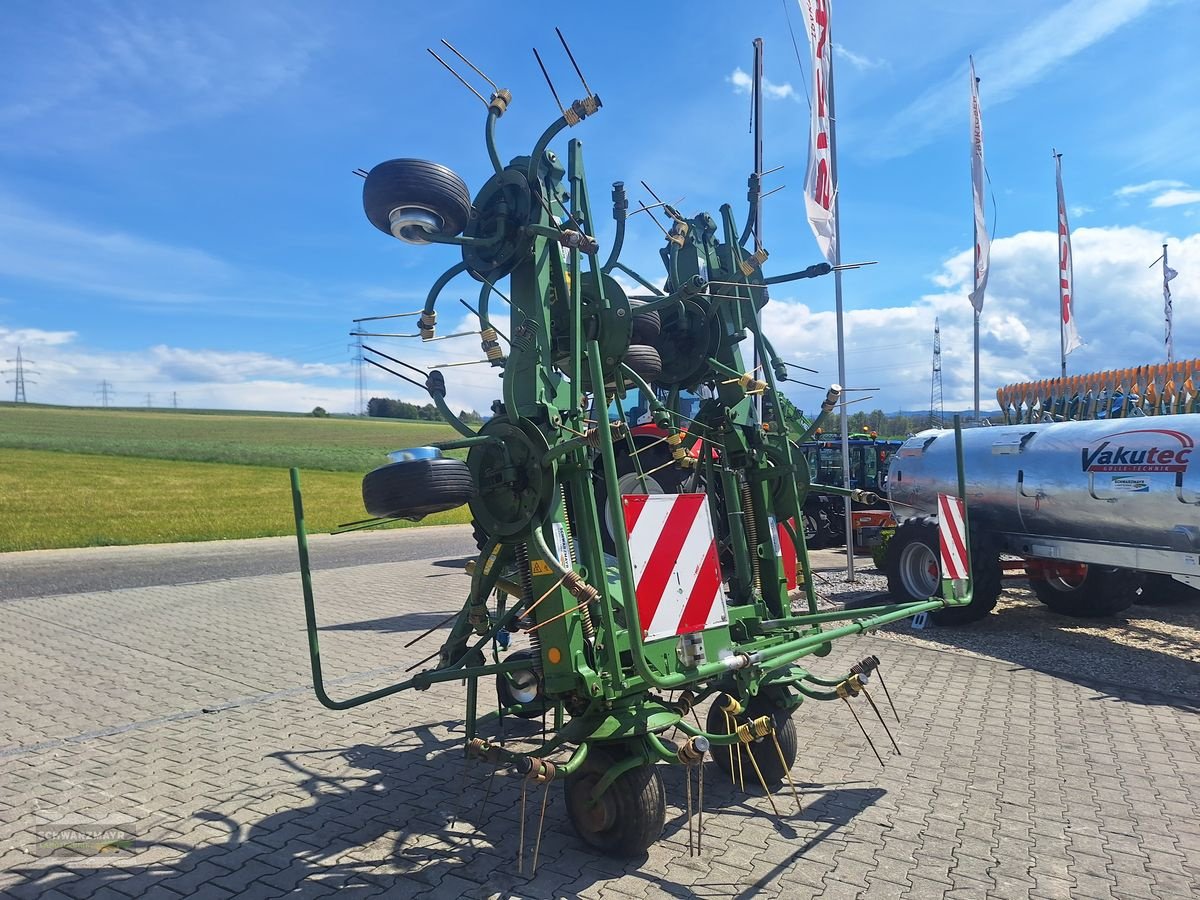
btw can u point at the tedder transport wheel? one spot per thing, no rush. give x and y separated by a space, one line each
763 749
417 487
1093 592
914 572
644 360
628 817
411 198
522 688
646 327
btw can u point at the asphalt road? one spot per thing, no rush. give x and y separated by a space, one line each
45 573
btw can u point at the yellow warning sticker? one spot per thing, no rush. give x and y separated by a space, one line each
539 567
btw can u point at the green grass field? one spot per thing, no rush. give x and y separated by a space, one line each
90 477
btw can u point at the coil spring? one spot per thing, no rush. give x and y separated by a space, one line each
751 527
754 729
521 552
585 616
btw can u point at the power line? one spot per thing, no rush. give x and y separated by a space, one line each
104 390
20 380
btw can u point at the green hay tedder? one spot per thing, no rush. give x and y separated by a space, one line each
694 603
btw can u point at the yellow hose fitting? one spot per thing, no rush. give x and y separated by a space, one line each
427 325
731 707
500 101
754 729
750 263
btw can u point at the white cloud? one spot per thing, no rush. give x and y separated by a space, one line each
1007 67
1176 197
1118 305
1147 187
1078 212
116 73
743 84
857 60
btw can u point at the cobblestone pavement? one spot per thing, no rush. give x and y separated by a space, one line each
180 719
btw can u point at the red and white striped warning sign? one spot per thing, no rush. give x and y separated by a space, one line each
952 535
674 556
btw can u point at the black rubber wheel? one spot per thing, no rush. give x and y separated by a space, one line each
479 535
417 487
914 571
831 530
420 185
763 749
1163 590
669 480
628 817
522 688
646 327
810 522
644 360
1101 591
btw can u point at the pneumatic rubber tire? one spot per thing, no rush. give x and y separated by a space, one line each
646 327
668 479
763 749
914 571
628 817
810 523
1101 592
417 487
522 688
416 182
644 360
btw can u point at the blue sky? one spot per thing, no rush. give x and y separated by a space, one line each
178 214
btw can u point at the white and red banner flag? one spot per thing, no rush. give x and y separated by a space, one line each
1066 269
819 187
983 243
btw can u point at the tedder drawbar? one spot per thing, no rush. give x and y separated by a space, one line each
693 604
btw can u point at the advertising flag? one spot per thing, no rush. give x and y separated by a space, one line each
1066 272
983 244
1168 274
819 189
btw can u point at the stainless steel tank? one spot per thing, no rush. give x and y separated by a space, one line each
1127 488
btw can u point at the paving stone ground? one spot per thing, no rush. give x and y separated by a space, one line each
181 719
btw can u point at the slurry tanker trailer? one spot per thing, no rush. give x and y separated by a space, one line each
1100 512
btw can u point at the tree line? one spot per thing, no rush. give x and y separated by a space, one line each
386 408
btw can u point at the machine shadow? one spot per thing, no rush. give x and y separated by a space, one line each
400 819
1163 676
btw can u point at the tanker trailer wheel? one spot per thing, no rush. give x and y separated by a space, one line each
1163 590
1086 591
914 571
762 749
522 688
628 817
417 487
413 198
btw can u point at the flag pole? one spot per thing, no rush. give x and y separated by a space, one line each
1169 337
837 301
1062 333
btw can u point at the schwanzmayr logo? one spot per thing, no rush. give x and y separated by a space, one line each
1142 450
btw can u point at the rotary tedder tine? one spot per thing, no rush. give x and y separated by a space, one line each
691 755
879 716
887 694
521 838
786 771
850 706
747 732
537 844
